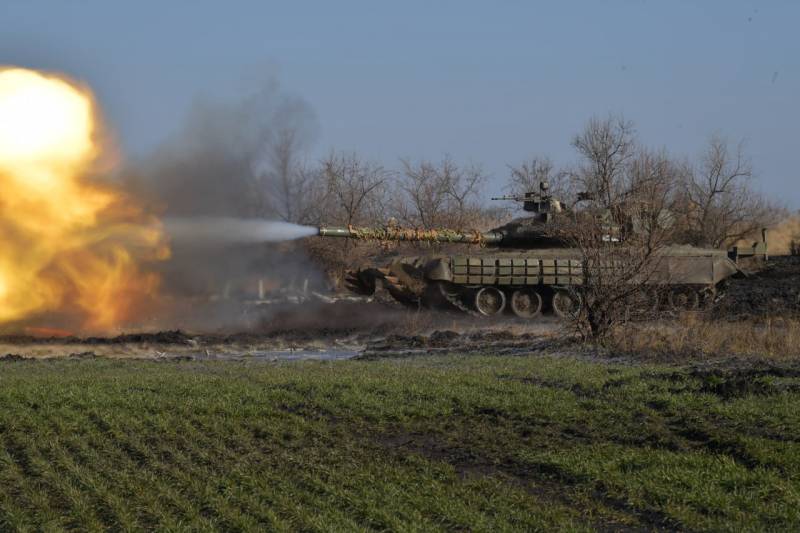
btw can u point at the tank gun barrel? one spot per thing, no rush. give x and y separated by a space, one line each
411 235
514 197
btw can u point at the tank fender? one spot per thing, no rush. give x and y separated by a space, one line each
438 270
725 268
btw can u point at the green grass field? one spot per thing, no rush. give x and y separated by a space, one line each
451 443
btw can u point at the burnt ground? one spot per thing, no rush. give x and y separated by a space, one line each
772 291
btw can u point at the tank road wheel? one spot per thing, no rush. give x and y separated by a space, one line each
490 301
656 303
684 300
566 303
707 297
526 303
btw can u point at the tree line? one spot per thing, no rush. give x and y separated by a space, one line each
710 200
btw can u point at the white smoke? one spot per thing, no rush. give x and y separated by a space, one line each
229 230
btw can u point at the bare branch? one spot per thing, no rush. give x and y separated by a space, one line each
720 204
605 146
439 195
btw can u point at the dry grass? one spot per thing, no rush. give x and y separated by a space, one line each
694 336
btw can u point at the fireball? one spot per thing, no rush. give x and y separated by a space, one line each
72 246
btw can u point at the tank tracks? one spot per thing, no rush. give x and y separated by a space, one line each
455 300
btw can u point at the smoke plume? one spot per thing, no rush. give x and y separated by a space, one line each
213 231
217 184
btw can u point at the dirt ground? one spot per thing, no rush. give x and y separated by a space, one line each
332 331
772 291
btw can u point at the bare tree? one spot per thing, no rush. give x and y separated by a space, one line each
606 146
620 262
310 195
527 176
355 188
350 191
440 194
426 194
652 185
463 187
623 226
283 187
721 205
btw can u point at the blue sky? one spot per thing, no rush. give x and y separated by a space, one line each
490 82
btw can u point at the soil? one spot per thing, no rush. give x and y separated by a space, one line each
772 291
331 331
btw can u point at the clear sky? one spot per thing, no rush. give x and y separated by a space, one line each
492 82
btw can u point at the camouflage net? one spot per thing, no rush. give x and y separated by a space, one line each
416 235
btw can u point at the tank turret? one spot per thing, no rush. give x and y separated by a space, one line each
542 204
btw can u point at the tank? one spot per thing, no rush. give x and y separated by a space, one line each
522 268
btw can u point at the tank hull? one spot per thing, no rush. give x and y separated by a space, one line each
543 276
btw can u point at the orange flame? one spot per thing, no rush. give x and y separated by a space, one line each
70 245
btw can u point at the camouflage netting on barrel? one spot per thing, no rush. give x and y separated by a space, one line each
417 235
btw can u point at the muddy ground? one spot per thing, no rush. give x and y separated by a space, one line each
328 331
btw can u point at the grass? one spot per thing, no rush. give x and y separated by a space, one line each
441 443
